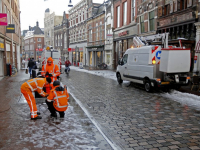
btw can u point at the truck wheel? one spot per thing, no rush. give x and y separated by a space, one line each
119 79
147 86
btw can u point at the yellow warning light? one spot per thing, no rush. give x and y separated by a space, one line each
153 62
47 48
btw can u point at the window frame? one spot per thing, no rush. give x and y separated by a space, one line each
152 20
142 29
118 16
125 13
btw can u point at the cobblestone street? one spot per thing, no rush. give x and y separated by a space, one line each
18 132
132 118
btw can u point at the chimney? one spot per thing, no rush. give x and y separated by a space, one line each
37 24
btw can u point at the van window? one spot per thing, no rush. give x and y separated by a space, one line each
125 58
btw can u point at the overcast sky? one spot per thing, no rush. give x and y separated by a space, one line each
33 10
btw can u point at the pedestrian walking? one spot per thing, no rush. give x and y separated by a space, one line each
50 70
27 90
31 64
57 100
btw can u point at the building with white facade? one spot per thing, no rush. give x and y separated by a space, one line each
50 20
78 32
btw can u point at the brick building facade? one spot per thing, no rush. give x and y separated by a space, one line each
96 34
10 43
178 18
146 17
34 42
125 27
78 32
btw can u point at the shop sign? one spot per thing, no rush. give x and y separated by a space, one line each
1 46
123 33
109 36
176 19
69 49
80 49
10 28
3 19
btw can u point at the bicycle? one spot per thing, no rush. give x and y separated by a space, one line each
102 66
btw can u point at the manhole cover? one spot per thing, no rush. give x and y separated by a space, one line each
96 104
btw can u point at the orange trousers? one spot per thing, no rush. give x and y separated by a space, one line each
31 102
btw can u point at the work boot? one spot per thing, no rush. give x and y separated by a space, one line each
38 117
62 114
38 113
54 115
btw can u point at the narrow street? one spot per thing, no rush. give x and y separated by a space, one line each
17 131
132 118
102 115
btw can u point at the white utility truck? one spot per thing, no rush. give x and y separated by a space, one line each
54 54
153 66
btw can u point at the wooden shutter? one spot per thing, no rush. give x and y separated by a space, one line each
160 11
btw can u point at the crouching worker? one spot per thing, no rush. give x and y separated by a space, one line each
57 100
27 90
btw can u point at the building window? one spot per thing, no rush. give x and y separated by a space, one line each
1 6
167 9
90 35
125 14
118 16
8 17
151 21
39 39
133 10
39 45
142 23
97 38
56 41
65 40
5 9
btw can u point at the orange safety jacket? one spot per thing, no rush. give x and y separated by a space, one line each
35 84
52 69
60 97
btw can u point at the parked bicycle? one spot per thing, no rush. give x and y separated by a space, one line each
102 66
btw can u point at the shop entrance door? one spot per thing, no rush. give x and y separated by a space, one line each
1 64
99 58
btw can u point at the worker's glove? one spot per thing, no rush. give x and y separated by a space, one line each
50 75
47 73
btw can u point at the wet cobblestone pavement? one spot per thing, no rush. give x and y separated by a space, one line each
18 132
132 118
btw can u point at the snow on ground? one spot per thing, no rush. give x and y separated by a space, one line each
183 98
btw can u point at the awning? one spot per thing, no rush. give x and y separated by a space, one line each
99 46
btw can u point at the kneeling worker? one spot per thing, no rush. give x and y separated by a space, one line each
30 86
57 100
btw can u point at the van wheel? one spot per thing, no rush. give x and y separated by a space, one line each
119 79
147 86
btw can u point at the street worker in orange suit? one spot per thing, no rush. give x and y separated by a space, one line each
27 90
50 70
57 100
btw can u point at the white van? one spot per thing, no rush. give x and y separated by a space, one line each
155 67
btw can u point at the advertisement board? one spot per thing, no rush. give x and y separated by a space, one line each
3 19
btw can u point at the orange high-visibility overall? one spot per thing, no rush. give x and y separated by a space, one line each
59 98
27 90
53 70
